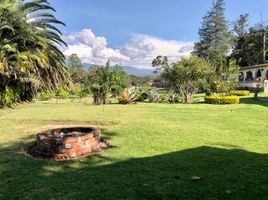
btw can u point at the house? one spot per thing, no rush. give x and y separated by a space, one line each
252 77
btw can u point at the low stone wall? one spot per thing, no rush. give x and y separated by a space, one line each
68 143
251 85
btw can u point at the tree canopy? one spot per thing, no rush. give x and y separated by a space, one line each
187 74
249 43
30 60
215 38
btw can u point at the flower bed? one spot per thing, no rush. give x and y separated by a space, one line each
222 99
240 93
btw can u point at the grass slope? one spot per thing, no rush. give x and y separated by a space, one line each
156 148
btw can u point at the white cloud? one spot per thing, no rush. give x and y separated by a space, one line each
91 48
142 49
138 52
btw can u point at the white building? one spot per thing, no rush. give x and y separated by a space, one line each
252 76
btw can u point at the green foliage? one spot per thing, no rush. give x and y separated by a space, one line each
186 75
215 39
119 80
62 93
80 90
159 63
128 96
154 96
8 97
220 85
248 48
241 25
163 97
47 95
142 96
139 81
142 93
77 72
86 91
100 93
222 99
174 97
240 93
105 80
30 59
225 82
74 62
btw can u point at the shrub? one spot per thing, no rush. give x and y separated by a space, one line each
85 92
174 98
163 98
8 97
240 93
222 99
99 93
128 96
47 95
62 93
153 96
142 96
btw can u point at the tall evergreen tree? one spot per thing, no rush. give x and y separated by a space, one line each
215 38
241 25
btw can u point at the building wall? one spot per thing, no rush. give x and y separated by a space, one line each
258 73
251 77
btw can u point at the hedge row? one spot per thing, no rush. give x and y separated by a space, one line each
240 93
222 99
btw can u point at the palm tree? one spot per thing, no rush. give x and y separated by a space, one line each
30 59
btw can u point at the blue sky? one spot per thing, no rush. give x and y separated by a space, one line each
123 22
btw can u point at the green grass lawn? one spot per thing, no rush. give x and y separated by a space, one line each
156 149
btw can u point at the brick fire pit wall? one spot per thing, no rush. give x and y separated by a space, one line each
67 143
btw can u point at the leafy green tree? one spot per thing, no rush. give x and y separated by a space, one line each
119 80
248 49
159 63
215 38
226 82
240 26
30 60
186 75
74 62
104 81
77 71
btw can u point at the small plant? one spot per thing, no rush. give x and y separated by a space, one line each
222 99
163 98
128 96
174 98
240 93
80 90
153 96
99 94
47 95
62 93
8 97
142 96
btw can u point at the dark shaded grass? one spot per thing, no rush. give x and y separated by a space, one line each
226 174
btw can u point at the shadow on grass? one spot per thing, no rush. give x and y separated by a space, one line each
225 173
262 101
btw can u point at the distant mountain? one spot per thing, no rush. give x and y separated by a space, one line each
131 70
138 72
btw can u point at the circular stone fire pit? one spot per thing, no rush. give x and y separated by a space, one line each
68 143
